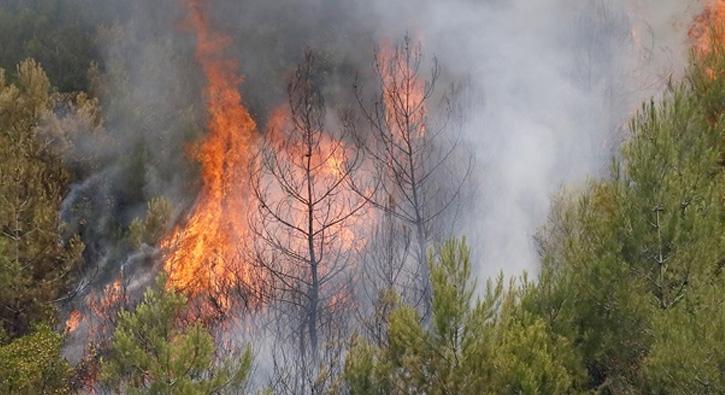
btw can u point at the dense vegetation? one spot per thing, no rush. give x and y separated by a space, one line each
53 34
629 298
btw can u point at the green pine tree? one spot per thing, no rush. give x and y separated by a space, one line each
32 184
153 226
32 364
152 353
489 346
633 264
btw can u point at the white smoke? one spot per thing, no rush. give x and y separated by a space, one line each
556 81
550 85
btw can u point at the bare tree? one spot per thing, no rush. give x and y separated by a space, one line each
414 156
296 373
304 229
384 274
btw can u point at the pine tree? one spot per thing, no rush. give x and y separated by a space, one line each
633 264
32 364
152 227
488 346
688 352
587 292
32 184
152 353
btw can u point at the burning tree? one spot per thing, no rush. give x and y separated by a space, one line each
306 226
203 258
413 158
708 29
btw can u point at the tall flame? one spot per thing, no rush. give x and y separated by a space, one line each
203 253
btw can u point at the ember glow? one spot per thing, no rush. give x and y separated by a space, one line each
708 26
204 251
73 321
104 307
403 92
329 160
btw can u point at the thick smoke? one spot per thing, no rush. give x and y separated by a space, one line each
555 82
550 85
148 96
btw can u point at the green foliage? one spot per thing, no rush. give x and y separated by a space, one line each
32 364
633 265
150 230
587 292
55 32
516 352
630 297
365 370
671 199
152 353
490 346
688 354
32 183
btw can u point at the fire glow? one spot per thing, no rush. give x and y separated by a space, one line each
204 251
403 94
329 159
708 26
205 254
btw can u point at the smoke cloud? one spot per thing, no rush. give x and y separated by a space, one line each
554 84
549 85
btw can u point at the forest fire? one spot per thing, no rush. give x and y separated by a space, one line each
329 161
73 321
403 92
708 26
203 251
255 196
101 307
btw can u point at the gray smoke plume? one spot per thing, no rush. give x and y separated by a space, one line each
553 83
549 87
550 84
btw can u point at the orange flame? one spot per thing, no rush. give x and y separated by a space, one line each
708 26
329 162
203 253
105 305
73 321
403 93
